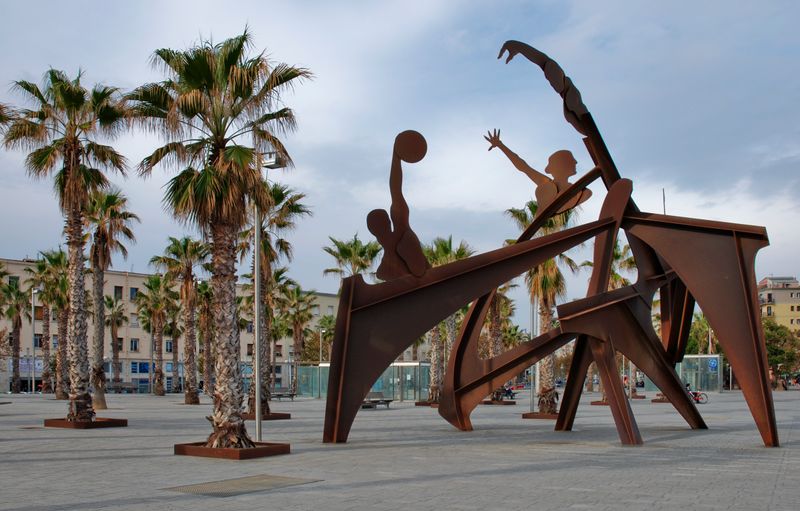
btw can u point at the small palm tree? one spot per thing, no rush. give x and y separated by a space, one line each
286 208
115 318
109 223
546 284
156 302
16 304
61 132
352 257
58 294
205 327
215 108
440 252
297 306
40 277
179 260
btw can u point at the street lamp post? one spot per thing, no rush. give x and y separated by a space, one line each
272 161
319 365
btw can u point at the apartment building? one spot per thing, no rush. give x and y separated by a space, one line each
135 343
779 298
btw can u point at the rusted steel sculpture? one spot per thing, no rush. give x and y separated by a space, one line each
687 260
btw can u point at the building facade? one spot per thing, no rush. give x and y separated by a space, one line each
136 355
779 298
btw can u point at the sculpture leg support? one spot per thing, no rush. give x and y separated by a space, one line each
603 354
581 360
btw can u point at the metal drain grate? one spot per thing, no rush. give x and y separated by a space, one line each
241 485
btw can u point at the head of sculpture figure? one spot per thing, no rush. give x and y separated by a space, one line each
379 225
410 146
561 165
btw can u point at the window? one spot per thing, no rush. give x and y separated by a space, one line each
168 345
53 315
55 341
134 367
119 343
330 310
250 349
792 307
134 344
37 341
168 367
38 313
278 369
13 281
118 292
141 367
134 293
134 320
769 311
791 322
315 310
250 328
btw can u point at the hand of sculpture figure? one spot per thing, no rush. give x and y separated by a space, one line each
513 48
493 138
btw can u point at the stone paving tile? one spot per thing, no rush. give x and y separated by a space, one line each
406 457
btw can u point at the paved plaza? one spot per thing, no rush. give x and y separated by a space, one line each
405 457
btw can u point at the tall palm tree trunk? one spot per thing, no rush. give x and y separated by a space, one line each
266 366
590 378
226 418
80 401
158 349
47 386
15 379
115 365
190 396
450 327
176 380
62 375
434 336
548 397
98 346
495 329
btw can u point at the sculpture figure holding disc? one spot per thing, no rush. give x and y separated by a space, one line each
561 166
402 252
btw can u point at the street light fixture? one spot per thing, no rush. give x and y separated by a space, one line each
269 161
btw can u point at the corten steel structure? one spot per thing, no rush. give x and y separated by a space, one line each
686 259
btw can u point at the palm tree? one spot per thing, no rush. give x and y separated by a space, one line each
173 329
109 223
286 207
156 303
179 261
41 278
58 294
545 284
441 251
621 261
17 307
115 318
352 257
205 327
297 306
214 101
61 131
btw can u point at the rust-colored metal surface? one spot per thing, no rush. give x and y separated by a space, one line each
261 450
98 422
688 260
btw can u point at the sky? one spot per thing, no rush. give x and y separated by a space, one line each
696 100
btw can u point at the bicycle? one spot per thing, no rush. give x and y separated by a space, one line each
699 397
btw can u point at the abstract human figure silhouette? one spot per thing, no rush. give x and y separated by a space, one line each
561 166
402 252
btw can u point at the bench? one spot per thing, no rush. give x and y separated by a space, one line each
123 387
282 392
374 399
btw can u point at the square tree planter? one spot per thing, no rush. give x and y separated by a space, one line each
98 422
272 416
505 402
540 415
261 450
